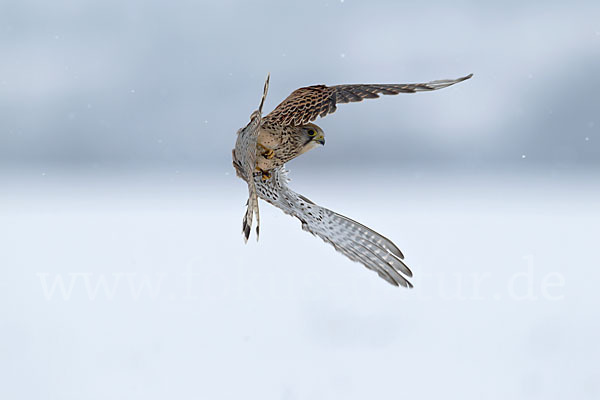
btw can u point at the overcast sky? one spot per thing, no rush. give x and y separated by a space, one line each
146 83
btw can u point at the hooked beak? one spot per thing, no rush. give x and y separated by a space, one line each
320 140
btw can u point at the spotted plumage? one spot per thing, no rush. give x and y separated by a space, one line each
266 144
308 103
286 132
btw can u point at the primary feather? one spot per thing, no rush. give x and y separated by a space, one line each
354 240
307 103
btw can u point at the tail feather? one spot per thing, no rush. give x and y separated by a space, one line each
251 210
244 162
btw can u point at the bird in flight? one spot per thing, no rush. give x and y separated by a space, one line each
264 146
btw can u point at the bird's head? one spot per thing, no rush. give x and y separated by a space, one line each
313 136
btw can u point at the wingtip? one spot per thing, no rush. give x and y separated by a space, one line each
405 283
265 90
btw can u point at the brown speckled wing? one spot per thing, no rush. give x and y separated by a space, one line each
308 103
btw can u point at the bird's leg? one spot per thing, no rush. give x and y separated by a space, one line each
267 152
265 175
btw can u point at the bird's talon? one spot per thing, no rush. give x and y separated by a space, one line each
269 154
265 175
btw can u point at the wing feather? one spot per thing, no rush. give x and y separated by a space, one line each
354 240
308 103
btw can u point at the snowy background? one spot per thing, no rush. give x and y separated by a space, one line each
124 273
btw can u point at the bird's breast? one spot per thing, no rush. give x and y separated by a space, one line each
270 138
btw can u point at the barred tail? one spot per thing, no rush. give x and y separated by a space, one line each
252 208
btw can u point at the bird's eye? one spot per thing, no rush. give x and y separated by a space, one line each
311 132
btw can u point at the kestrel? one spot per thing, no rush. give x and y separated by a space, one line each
266 144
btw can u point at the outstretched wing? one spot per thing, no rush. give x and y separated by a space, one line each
354 240
244 161
308 103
